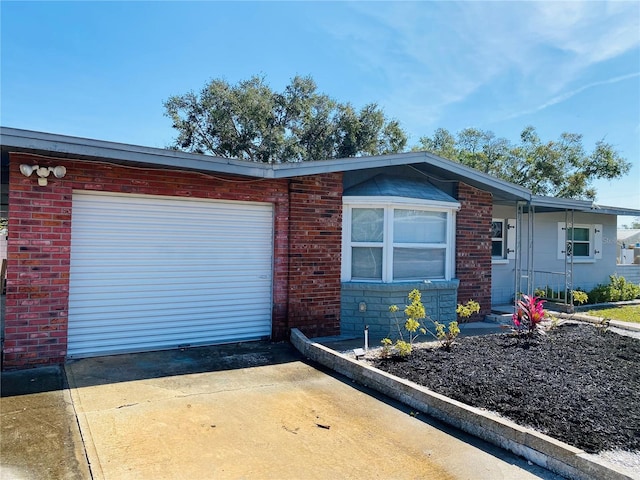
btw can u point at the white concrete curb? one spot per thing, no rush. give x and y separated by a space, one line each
583 317
538 448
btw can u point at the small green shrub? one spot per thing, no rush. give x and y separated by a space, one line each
465 310
543 292
599 294
547 293
579 296
448 336
415 313
617 290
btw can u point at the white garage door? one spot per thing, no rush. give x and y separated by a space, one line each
153 272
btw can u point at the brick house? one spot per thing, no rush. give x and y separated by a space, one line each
131 248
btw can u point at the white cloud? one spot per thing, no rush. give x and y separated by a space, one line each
440 53
567 95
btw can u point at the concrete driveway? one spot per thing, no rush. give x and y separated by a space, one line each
259 411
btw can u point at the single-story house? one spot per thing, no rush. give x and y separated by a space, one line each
121 248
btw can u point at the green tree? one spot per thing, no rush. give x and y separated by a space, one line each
635 223
559 168
252 122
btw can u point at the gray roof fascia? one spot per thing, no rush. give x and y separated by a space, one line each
299 169
49 144
479 179
631 212
588 206
560 203
466 174
52 144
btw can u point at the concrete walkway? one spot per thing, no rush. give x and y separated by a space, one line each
254 411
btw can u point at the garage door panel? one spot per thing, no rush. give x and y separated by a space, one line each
151 304
159 272
184 284
133 311
184 324
113 277
179 291
189 335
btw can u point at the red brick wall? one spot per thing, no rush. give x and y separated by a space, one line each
40 237
473 247
315 224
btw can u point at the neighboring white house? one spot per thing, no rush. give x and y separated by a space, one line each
557 247
629 246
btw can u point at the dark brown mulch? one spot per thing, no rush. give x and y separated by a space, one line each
574 384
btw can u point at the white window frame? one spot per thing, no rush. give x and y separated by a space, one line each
595 242
389 204
508 240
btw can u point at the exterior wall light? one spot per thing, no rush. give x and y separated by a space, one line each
43 172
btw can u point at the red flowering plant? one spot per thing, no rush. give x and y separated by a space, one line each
529 314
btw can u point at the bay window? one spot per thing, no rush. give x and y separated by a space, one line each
386 241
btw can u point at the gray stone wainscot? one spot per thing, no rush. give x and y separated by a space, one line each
365 304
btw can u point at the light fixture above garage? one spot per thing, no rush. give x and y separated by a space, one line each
43 172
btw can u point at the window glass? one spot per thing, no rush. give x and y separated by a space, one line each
580 249
579 234
580 246
366 263
497 238
417 226
367 225
418 263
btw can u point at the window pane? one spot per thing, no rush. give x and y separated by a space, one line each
496 229
416 226
367 224
496 249
579 234
581 249
366 263
418 263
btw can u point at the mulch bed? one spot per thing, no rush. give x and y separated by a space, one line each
575 383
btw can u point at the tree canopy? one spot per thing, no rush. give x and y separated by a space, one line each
252 122
560 168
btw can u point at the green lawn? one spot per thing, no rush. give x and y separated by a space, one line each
629 313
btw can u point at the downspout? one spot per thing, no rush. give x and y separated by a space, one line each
286 309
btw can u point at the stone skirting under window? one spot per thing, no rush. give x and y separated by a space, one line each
439 298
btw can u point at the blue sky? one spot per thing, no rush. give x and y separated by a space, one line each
103 69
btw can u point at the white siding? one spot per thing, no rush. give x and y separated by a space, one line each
155 272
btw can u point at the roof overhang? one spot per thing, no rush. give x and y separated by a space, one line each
631 212
63 146
542 203
437 167
553 204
